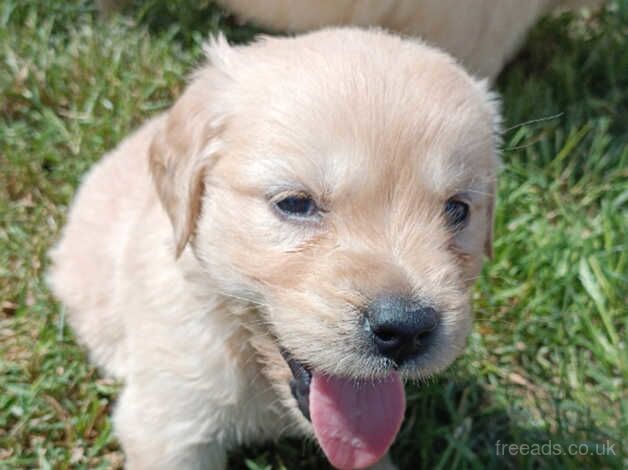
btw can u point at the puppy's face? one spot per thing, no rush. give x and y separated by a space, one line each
343 183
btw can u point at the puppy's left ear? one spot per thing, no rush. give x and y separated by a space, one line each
185 147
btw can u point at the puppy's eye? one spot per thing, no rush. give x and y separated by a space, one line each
456 213
299 205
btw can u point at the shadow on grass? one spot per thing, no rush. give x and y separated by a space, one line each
458 424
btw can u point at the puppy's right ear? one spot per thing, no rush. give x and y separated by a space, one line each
184 149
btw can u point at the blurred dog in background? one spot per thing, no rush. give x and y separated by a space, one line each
483 34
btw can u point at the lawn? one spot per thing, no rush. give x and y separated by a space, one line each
546 363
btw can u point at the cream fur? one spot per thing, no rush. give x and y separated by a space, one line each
483 34
181 279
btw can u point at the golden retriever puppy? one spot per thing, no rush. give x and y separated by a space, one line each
483 34
283 248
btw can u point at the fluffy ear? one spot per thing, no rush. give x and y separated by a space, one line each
187 144
182 153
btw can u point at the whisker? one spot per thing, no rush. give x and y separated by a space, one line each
533 121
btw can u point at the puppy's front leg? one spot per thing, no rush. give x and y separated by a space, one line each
159 429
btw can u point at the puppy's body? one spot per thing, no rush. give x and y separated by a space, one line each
155 321
380 132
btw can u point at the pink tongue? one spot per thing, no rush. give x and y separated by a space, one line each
356 422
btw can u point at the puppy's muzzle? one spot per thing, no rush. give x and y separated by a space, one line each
399 328
396 327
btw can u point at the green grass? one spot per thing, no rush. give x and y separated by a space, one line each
547 358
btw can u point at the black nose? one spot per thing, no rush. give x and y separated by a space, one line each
400 328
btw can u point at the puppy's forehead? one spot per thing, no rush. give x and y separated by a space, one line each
333 112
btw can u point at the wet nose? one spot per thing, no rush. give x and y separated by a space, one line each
400 328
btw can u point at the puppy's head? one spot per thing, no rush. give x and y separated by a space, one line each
343 183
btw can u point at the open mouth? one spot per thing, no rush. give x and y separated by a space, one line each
299 383
355 421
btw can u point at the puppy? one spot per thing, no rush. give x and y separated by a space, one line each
284 247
